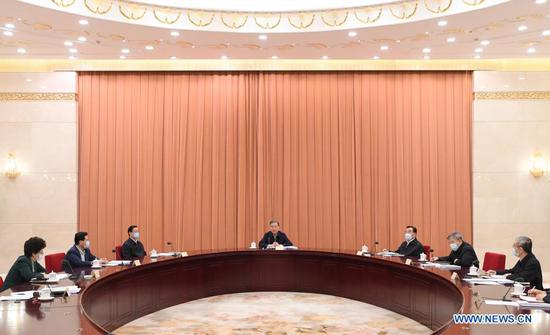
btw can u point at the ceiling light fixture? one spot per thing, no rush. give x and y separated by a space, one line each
125 51
522 28
442 23
426 50
224 57
274 57
324 57
173 57
478 50
485 42
8 33
352 33
426 57
9 25
68 43
451 40
375 57
72 57
531 50
83 22
21 51
174 33
262 37
384 48
122 57
82 39
149 47
540 2
477 56
546 33
73 50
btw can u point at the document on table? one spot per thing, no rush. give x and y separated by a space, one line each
498 279
389 254
535 304
502 303
166 254
442 266
18 296
118 263
480 281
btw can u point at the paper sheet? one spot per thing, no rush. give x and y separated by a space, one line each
502 303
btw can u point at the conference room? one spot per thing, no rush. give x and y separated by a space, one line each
275 167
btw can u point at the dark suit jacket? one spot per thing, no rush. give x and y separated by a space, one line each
528 268
465 255
132 250
269 239
73 256
21 272
547 298
413 249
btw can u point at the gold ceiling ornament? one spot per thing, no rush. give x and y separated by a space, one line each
404 10
200 18
301 20
368 14
334 18
166 15
473 2
32 96
41 26
99 6
184 44
250 46
234 20
317 45
267 20
513 95
64 3
132 11
438 6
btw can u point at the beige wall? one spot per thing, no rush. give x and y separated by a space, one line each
507 131
42 134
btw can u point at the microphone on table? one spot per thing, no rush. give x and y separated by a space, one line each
376 247
171 246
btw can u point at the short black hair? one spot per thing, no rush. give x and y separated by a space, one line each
413 228
274 221
131 228
33 246
80 236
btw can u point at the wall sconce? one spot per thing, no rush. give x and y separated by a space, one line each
538 165
12 169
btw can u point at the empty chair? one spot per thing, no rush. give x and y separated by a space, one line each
494 261
53 262
427 251
118 252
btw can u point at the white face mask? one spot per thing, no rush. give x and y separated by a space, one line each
515 252
87 244
136 235
454 246
408 237
40 257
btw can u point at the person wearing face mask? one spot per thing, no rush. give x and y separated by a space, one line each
527 268
274 237
26 267
411 247
80 255
462 253
133 248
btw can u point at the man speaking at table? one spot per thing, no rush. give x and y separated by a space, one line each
274 237
133 248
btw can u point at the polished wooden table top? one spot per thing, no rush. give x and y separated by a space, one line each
93 311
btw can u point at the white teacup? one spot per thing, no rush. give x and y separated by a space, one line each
423 257
45 293
153 253
518 288
52 276
473 270
96 263
253 245
365 248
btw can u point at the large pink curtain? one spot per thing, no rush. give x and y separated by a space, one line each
204 160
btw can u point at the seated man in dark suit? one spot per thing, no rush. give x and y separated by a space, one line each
26 267
527 268
133 248
462 253
411 247
80 255
274 237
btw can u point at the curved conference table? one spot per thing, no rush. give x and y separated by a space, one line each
123 294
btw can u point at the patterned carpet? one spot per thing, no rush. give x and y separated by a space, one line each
274 313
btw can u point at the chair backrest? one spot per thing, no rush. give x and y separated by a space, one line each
494 261
53 262
1 282
427 249
118 252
